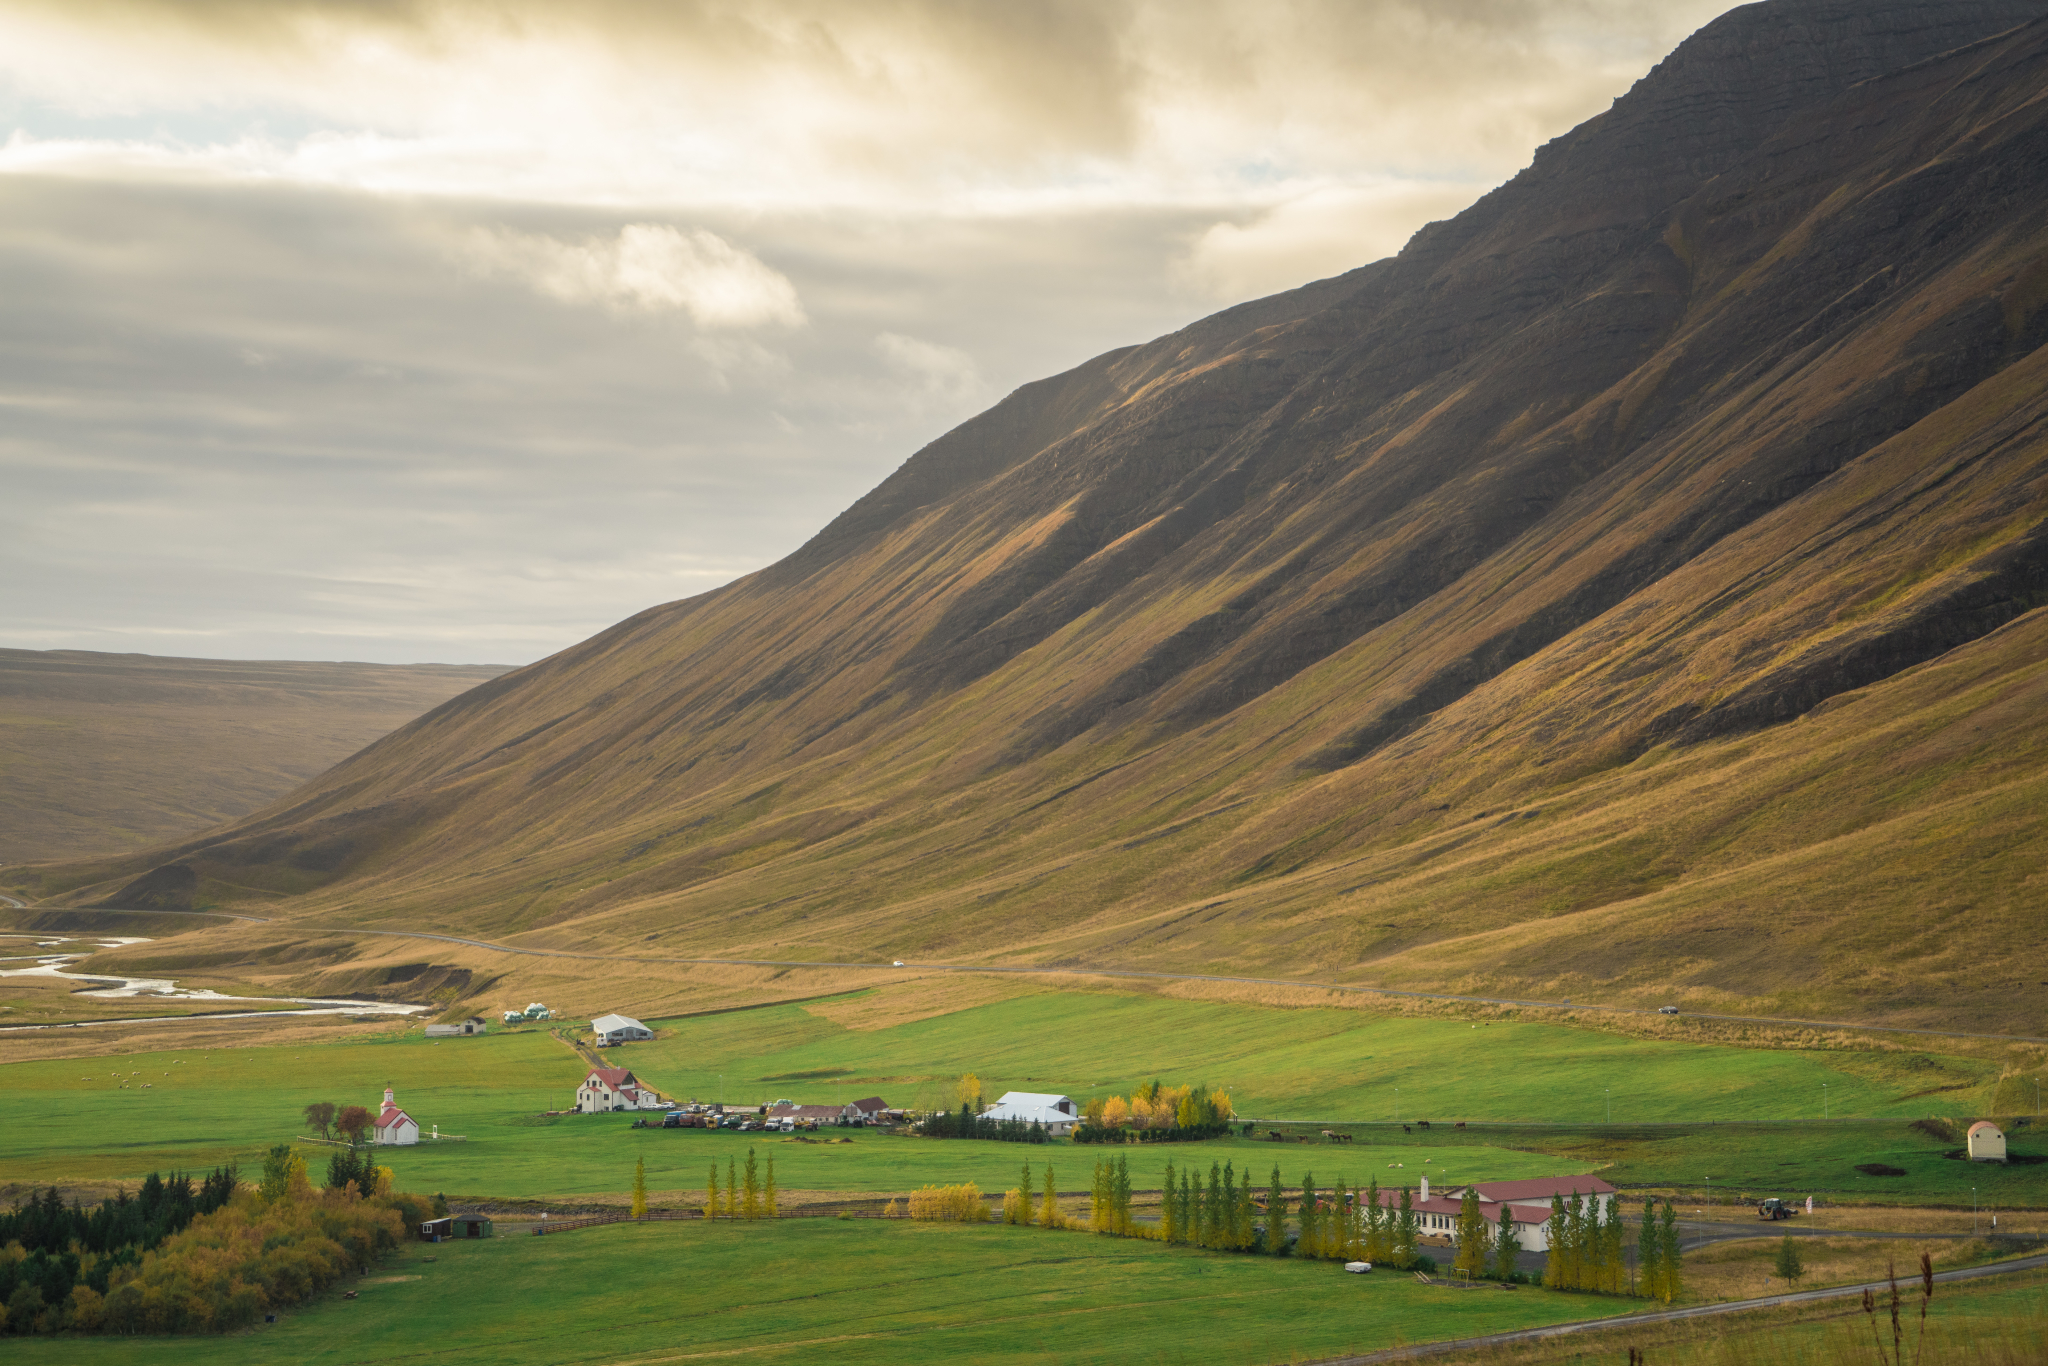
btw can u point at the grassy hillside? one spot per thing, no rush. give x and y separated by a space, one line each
1631 591
101 753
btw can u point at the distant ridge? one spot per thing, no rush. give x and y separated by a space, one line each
1633 586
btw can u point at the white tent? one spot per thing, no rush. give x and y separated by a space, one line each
618 1028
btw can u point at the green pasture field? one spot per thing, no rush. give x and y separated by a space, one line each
206 1107
861 1290
212 1105
1321 1065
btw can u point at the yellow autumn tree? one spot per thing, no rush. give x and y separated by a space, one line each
640 1188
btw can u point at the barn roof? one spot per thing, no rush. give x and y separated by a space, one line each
618 1078
872 1105
1983 1126
607 1024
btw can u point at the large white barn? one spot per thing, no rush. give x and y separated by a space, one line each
1058 1114
619 1028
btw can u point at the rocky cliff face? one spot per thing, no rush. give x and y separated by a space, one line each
1624 504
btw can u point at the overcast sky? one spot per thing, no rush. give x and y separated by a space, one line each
458 331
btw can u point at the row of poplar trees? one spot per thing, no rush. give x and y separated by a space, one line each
1223 1212
1588 1249
744 1197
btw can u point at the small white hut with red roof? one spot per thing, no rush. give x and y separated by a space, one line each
395 1125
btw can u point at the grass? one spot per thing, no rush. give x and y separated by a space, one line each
844 1290
1310 1064
203 1105
1987 1323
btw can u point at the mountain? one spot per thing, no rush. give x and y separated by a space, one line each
1630 589
106 752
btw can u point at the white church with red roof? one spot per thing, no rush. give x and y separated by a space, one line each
395 1125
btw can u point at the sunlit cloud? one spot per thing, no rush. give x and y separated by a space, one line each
649 267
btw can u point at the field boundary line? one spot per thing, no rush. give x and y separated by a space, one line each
1697 1311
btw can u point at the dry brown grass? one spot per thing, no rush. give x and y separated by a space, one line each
1741 1268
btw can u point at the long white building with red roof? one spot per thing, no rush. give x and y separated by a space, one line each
1527 1202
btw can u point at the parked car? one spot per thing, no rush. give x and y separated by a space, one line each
1667 1010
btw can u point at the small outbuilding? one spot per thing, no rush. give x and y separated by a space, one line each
1987 1142
461 1029
619 1029
455 1226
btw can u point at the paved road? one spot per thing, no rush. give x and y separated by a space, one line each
1699 1311
1070 971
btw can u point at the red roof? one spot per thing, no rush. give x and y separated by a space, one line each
618 1078
1542 1188
391 1114
873 1105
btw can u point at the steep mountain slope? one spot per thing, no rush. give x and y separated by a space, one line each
1632 586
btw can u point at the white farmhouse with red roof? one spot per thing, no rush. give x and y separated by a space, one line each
1528 1203
613 1088
395 1125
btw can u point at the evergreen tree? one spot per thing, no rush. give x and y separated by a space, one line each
1575 1242
1617 1246
1650 1253
1190 1206
1276 1216
1123 1196
1049 1214
771 1186
640 1188
752 1208
1169 1208
1470 1256
1375 1223
732 1190
1213 1209
1789 1265
1555 1235
1405 1232
1504 1245
1674 1278
1311 1218
711 1193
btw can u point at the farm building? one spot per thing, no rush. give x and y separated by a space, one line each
1058 1114
871 1108
473 1025
455 1226
395 1126
619 1029
1987 1142
613 1088
1528 1205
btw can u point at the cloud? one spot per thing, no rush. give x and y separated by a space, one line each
939 376
649 268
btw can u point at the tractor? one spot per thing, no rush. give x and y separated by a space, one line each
1774 1209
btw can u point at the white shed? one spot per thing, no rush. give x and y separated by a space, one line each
619 1028
1987 1142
